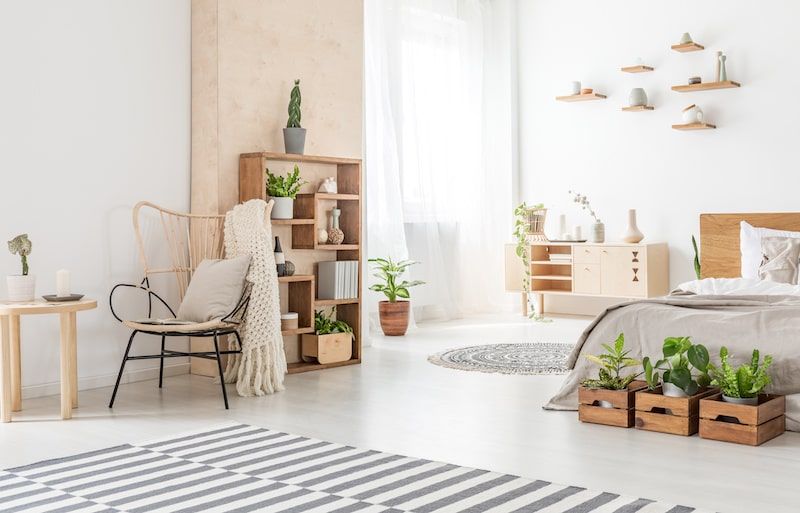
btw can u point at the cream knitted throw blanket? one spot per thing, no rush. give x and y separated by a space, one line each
261 367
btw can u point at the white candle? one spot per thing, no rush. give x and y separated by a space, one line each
62 283
576 233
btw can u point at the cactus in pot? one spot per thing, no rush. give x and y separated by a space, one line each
21 287
294 135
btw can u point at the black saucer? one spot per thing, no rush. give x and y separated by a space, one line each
55 299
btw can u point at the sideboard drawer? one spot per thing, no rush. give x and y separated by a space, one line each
585 254
586 278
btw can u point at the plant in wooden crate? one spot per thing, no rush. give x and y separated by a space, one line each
283 191
609 399
522 250
331 341
294 136
672 402
741 412
21 287
393 313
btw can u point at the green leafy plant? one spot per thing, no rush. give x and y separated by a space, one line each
696 258
522 250
22 246
326 324
612 363
294 106
681 356
746 381
285 187
389 272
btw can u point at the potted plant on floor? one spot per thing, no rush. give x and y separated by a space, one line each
743 384
331 341
609 399
283 190
294 136
393 313
21 287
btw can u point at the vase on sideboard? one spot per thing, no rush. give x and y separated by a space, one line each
598 232
632 233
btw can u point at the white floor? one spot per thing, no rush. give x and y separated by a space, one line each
398 402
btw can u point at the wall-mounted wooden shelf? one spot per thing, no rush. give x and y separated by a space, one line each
688 47
695 126
639 68
581 97
707 86
638 108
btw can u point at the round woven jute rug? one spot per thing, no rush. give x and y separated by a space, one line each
522 359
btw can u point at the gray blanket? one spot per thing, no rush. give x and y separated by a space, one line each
741 323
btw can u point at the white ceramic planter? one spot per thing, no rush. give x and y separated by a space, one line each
283 208
21 288
637 97
671 390
752 401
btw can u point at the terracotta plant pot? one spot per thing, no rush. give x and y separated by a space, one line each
394 317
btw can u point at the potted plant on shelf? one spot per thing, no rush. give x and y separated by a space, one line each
283 190
680 357
21 287
331 341
609 399
294 136
743 384
393 313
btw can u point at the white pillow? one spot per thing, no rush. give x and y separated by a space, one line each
215 289
750 246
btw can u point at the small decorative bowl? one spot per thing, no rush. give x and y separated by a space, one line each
587 90
53 298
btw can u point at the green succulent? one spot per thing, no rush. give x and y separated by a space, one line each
22 246
294 106
285 187
611 363
681 356
746 381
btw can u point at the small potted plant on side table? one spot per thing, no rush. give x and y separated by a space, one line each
393 313
609 399
672 402
741 413
21 287
332 341
283 190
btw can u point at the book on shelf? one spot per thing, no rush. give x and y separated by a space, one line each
337 279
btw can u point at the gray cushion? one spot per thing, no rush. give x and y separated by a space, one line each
215 289
780 257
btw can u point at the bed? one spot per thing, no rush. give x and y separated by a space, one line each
721 309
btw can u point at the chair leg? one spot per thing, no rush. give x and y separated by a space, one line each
121 368
221 374
238 339
161 365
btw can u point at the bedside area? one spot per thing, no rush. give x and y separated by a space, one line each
613 270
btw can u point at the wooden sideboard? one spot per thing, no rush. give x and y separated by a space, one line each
611 270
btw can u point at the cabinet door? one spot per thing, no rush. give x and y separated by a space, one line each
586 278
622 271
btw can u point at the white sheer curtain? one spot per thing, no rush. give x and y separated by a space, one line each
440 146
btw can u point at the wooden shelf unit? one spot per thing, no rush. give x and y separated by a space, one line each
688 47
310 214
706 86
581 97
695 126
639 68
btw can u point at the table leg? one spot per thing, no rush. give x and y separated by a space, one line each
524 304
540 304
66 373
16 364
73 355
5 370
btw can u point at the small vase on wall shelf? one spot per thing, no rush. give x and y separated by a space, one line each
723 72
632 233
335 234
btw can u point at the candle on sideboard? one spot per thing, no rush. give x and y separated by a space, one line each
62 283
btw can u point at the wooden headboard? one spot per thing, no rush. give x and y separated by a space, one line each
719 239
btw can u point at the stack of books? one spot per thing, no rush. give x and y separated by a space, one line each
561 257
337 280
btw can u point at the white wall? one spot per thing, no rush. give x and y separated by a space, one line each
627 160
95 116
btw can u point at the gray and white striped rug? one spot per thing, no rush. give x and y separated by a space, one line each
240 468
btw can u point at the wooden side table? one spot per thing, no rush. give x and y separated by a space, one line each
10 361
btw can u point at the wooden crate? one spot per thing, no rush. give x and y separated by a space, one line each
742 423
621 413
331 348
673 415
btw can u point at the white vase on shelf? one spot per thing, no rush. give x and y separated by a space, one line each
632 233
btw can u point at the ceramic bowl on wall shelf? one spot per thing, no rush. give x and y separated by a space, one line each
692 114
587 90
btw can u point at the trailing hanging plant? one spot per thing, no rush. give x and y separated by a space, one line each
294 106
696 259
746 381
389 272
680 358
285 187
522 251
612 363
326 324
22 246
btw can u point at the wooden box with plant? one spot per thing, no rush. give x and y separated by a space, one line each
676 384
741 412
393 313
609 399
332 341
21 287
283 190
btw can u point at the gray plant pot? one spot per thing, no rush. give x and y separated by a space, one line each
752 401
283 208
671 390
294 140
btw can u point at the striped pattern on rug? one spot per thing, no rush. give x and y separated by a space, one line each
240 468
